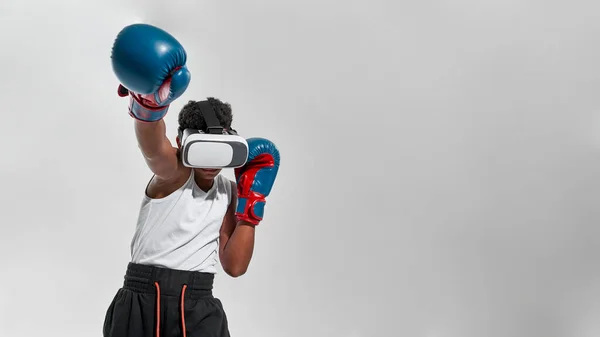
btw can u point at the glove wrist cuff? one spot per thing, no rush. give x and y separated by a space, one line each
245 218
250 208
143 112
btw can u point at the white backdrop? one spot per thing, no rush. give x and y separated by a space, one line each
439 169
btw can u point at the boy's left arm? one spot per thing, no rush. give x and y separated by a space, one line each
254 183
236 241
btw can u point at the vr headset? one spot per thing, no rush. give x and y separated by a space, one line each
213 148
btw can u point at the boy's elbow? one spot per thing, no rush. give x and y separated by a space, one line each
235 271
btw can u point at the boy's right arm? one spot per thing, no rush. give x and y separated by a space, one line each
150 64
159 154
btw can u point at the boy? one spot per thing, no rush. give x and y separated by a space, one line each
189 215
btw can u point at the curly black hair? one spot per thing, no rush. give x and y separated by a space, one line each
190 116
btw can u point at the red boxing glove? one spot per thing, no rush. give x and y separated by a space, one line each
255 179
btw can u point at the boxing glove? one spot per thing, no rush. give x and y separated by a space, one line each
151 66
255 179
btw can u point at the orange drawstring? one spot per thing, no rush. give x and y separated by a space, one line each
157 309
157 286
183 329
183 310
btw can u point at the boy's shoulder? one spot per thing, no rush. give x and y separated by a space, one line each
159 188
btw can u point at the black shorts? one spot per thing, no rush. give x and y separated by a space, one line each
160 302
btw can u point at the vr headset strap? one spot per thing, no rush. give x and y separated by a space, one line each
210 117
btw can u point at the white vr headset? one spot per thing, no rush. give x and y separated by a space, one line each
215 148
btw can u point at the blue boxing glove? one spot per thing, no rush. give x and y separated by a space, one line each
150 64
255 179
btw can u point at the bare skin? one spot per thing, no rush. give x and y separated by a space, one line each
236 237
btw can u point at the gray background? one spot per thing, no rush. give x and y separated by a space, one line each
439 163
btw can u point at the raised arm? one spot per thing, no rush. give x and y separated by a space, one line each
159 154
150 64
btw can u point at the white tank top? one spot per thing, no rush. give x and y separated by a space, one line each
181 230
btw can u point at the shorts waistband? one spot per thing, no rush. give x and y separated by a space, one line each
142 278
